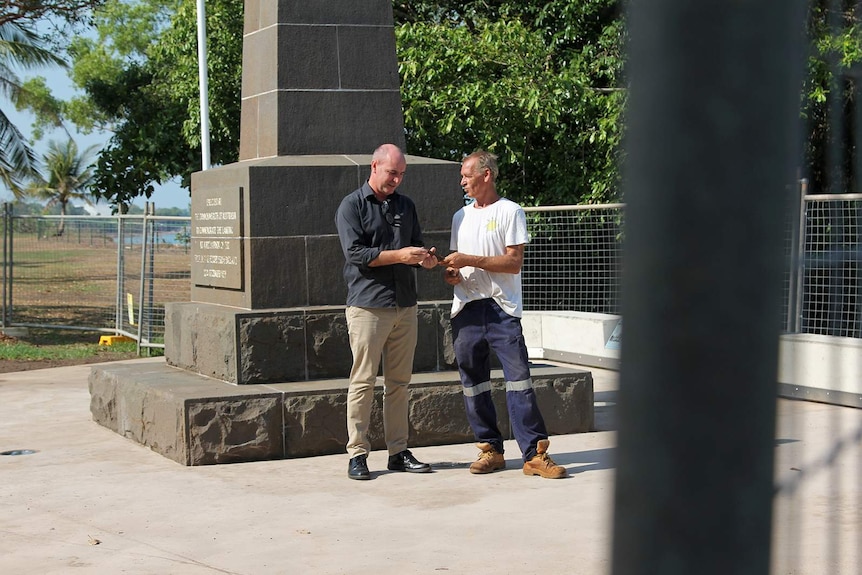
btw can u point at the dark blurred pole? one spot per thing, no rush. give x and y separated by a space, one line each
712 146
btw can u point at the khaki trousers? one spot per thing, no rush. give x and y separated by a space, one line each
388 334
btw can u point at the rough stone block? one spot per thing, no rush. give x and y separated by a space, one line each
273 343
202 338
196 420
185 417
328 344
234 429
281 345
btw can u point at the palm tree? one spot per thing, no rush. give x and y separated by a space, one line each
67 176
20 47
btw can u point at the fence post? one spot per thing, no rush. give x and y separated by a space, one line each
713 117
7 222
10 267
150 224
121 264
801 264
144 240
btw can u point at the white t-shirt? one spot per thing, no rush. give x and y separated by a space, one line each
487 232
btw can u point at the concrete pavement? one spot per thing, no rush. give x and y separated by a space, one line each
89 501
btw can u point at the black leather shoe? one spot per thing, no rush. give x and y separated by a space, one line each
405 461
358 468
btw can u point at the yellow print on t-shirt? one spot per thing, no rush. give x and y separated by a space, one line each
491 225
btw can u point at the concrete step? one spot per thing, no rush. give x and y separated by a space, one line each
196 420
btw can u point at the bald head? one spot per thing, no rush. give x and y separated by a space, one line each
385 151
387 170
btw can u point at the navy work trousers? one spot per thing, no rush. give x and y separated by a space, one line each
482 326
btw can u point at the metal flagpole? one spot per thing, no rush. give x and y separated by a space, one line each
202 74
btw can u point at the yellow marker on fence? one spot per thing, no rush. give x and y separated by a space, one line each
130 301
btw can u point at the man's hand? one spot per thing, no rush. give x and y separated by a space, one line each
430 261
413 255
457 260
508 263
452 276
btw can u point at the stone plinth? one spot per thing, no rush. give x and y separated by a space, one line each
298 344
264 236
264 241
195 420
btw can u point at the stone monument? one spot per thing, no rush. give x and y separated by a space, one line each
320 91
256 362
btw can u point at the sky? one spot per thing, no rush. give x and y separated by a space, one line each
170 195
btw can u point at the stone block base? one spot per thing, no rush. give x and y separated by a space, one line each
196 420
295 344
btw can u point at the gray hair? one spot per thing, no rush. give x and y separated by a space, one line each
485 160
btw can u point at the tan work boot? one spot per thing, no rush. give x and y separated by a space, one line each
542 464
489 460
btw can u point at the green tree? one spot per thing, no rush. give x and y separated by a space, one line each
140 77
28 11
830 96
66 175
20 47
538 83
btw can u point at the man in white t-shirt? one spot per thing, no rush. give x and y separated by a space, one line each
488 238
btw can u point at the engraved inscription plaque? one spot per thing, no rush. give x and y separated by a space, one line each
217 238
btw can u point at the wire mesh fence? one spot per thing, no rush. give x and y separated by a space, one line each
105 274
574 258
574 262
830 273
114 274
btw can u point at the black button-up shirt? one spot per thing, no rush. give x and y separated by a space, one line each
364 232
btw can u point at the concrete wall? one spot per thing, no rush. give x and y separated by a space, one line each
821 368
811 367
573 337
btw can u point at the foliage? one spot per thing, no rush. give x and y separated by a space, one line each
141 81
829 97
66 175
122 96
34 208
173 212
22 207
28 11
543 93
539 83
545 98
20 47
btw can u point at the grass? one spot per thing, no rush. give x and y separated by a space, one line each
72 280
59 345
